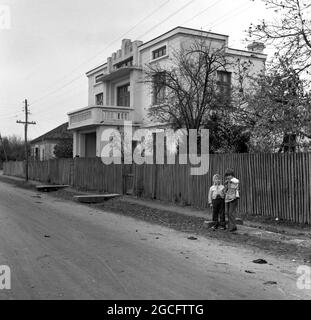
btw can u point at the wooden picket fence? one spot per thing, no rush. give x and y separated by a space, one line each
271 185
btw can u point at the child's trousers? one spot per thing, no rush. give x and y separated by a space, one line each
231 212
219 211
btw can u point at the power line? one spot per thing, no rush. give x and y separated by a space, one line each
149 30
161 22
201 12
103 50
168 17
8 115
60 99
229 14
58 89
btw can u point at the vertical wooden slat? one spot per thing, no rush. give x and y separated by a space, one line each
271 184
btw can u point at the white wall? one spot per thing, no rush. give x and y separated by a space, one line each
95 88
46 149
173 46
141 97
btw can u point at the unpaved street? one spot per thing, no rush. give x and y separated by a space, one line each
57 249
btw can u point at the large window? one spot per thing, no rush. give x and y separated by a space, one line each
123 95
99 99
224 83
159 88
159 52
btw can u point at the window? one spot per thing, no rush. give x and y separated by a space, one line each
99 99
36 153
159 53
123 95
224 83
159 88
125 63
98 78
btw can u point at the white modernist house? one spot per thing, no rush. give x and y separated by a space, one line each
117 93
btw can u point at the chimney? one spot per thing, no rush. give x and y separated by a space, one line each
258 47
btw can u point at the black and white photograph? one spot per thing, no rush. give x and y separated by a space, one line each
155 154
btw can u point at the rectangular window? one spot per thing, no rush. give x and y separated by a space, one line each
125 63
159 84
123 95
99 78
159 52
99 99
224 83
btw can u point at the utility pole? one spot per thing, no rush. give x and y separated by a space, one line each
26 123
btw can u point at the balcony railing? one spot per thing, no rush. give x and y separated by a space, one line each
80 117
115 115
96 115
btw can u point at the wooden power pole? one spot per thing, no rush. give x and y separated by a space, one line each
26 123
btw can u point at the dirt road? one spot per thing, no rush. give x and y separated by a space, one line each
57 249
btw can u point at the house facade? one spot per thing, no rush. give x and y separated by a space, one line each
42 148
117 92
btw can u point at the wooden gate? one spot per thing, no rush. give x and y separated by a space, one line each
128 179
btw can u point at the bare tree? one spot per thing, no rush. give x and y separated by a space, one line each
186 92
289 32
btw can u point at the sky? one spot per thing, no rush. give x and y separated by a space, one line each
47 46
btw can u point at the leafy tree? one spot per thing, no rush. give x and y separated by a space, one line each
278 111
64 149
12 148
226 136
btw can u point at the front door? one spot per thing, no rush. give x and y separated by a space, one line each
90 145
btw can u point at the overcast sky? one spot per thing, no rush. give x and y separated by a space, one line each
52 43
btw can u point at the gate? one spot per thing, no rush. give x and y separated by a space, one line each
128 179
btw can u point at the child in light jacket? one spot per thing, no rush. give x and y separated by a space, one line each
216 200
231 198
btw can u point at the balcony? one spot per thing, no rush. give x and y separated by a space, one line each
99 115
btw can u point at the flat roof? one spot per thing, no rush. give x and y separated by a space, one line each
184 30
95 69
255 54
189 31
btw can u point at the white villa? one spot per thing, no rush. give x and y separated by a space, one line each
116 92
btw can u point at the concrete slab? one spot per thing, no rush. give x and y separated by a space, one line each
95 198
52 187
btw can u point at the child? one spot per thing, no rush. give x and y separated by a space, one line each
216 199
231 198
